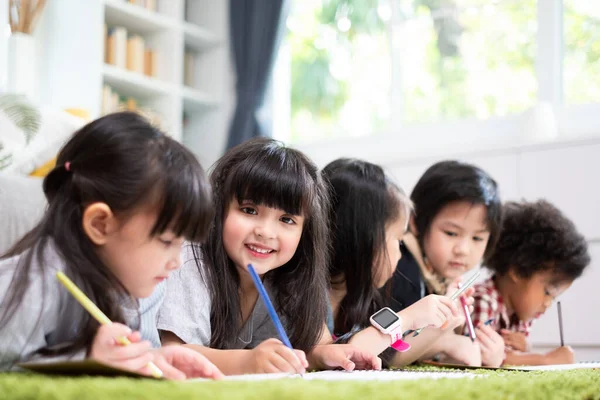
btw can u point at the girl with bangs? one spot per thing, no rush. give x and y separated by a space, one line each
121 200
271 212
369 218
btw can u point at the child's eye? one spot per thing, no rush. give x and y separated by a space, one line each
248 210
478 239
166 242
287 220
451 234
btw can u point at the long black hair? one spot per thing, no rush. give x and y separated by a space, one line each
272 175
364 201
125 162
449 181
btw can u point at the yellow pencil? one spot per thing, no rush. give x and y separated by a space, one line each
99 315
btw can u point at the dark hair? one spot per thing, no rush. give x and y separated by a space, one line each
537 237
363 202
123 161
449 181
270 174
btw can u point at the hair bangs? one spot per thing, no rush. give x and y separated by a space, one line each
274 181
185 205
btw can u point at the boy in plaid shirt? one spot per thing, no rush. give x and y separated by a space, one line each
538 256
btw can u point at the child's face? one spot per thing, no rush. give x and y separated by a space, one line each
531 297
262 236
393 235
139 261
457 239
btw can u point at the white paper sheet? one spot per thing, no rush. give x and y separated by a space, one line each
353 376
383 375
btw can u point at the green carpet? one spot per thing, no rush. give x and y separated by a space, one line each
579 384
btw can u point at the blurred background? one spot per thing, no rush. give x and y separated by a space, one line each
510 85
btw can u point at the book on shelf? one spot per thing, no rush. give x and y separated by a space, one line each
147 4
116 46
135 54
150 5
106 49
189 66
131 104
114 102
150 62
110 100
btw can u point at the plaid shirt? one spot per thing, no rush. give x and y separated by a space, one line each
489 304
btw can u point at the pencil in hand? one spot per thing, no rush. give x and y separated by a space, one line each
270 308
99 315
468 319
560 325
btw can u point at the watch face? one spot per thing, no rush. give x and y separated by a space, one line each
385 317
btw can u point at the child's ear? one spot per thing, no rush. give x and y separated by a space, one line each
513 275
98 222
413 226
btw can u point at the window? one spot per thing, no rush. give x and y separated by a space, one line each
340 68
582 51
358 67
466 58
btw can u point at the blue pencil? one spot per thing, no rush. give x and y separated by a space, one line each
263 293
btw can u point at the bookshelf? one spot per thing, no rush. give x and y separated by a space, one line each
170 29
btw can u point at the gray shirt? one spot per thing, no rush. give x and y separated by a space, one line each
39 320
186 309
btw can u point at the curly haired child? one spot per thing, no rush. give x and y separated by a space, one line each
538 256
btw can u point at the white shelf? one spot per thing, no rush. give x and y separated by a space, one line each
197 38
196 100
135 18
77 27
134 84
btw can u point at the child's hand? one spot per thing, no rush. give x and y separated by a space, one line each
107 350
515 340
273 356
467 294
462 349
179 363
491 345
432 310
346 356
561 355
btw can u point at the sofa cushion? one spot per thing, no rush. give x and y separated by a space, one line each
22 204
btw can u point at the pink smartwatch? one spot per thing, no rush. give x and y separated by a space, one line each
390 323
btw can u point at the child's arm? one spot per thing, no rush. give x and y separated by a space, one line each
492 346
421 347
36 315
515 340
326 355
561 355
431 310
269 356
458 347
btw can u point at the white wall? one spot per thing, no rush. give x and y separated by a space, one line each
3 43
564 172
